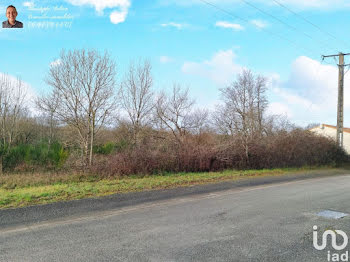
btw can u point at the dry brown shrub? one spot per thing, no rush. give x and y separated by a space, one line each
210 152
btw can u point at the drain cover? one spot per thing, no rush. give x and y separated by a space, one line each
332 214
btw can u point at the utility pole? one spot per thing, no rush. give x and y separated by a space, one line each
340 115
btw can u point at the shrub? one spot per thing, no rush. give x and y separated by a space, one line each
38 155
105 149
296 148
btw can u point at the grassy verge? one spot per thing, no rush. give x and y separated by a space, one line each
24 190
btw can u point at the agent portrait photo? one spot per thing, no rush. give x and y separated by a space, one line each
11 14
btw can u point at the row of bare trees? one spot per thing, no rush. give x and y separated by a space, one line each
87 107
85 97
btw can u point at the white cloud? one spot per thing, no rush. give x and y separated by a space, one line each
172 24
100 5
116 16
296 100
166 59
27 89
308 95
224 24
311 92
221 68
28 4
57 62
312 79
259 23
277 108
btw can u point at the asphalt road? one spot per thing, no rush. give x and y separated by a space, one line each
271 222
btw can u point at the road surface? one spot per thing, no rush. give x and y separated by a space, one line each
271 222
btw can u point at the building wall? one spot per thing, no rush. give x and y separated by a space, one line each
332 133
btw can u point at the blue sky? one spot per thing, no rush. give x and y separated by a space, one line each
193 44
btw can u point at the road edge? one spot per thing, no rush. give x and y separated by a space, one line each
10 218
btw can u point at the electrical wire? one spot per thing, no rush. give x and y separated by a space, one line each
285 24
275 34
263 29
309 22
347 71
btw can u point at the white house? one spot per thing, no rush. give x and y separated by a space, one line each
331 131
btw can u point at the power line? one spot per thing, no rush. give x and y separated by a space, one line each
225 11
347 71
263 29
309 22
284 23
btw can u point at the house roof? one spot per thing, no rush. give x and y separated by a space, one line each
346 130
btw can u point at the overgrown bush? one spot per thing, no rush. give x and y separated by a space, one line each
209 152
105 149
39 155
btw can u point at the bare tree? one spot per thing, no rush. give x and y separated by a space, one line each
48 105
275 124
261 102
224 120
244 107
197 121
84 85
136 96
176 111
12 108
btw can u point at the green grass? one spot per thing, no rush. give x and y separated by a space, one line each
19 190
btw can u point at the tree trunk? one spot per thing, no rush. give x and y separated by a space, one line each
91 148
92 138
1 168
